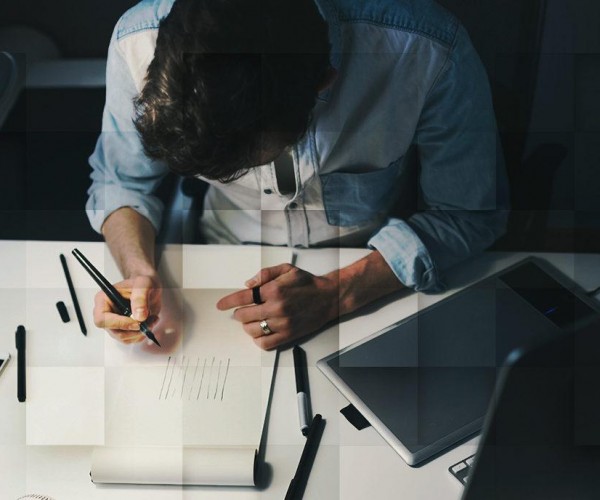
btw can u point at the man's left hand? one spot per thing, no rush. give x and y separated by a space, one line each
295 303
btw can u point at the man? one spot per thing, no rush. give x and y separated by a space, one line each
305 119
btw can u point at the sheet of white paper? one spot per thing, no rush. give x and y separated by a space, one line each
208 401
206 393
65 406
206 388
206 266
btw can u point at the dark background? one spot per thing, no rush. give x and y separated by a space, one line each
543 59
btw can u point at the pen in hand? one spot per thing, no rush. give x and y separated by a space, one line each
121 303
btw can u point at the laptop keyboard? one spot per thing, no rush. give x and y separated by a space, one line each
462 469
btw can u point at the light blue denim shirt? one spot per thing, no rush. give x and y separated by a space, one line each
409 85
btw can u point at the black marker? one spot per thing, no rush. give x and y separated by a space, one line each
120 302
301 396
298 483
20 341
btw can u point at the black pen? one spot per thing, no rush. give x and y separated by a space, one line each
120 302
298 483
21 384
63 261
301 396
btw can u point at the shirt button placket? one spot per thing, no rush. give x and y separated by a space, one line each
298 230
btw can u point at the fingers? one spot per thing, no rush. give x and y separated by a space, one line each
236 299
104 317
274 282
271 290
252 313
270 341
145 301
268 274
142 287
276 325
127 337
264 276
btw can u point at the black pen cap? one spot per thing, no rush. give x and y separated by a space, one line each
20 337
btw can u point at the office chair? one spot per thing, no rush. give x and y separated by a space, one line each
46 134
9 84
183 199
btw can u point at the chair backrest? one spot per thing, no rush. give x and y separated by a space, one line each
10 84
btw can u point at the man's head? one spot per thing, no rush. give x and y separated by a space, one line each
232 83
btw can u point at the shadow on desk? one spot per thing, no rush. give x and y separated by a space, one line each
263 472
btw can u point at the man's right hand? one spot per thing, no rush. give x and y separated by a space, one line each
130 238
144 292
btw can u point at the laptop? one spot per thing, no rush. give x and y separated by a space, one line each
425 383
541 438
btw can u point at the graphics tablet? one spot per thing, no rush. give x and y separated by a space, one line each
425 382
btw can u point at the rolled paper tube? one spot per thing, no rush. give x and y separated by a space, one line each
217 466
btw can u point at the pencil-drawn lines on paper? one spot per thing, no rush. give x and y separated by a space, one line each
212 365
225 379
164 378
200 378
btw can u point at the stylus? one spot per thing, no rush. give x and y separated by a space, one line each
301 396
120 302
63 261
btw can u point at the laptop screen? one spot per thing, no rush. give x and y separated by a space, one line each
542 438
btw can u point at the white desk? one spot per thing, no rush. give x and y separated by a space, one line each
349 464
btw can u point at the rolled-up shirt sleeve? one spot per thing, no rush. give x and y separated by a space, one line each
122 175
462 181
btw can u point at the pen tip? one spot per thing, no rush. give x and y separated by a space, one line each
153 339
148 333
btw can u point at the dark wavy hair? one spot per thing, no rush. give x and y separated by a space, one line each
231 82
